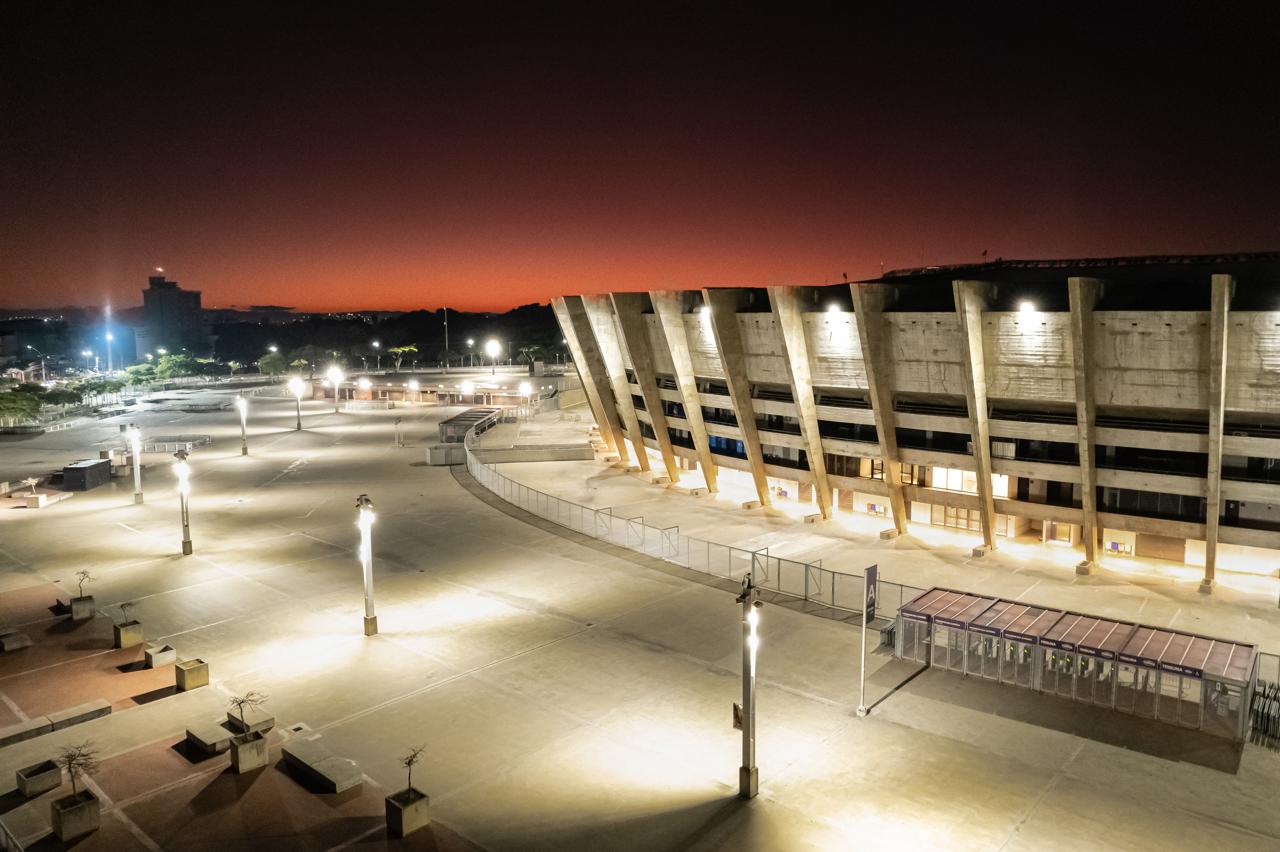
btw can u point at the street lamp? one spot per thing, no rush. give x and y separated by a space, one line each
273 348
364 520
471 356
43 377
468 389
416 388
748 775
493 349
297 387
335 377
242 405
378 347
183 471
110 337
135 447
526 391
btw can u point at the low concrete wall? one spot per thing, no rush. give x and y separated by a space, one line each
534 454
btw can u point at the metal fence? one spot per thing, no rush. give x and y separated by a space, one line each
807 581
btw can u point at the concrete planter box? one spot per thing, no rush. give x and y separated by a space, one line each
39 778
248 752
160 655
82 609
127 634
407 811
191 674
37 501
256 720
75 816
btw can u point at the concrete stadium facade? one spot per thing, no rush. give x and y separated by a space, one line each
1123 406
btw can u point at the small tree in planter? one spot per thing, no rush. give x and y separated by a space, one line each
249 749
128 632
78 813
31 482
82 606
409 809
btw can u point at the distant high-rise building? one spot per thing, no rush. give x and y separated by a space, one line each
174 318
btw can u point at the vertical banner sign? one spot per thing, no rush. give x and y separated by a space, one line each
869 578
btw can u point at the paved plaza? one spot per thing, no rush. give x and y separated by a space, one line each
570 695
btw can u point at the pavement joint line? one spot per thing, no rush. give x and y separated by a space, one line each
117 810
14 708
447 680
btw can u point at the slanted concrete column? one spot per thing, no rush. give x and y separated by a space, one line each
868 311
970 299
599 311
629 309
591 369
733 361
1083 295
786 314
668 306
1220 307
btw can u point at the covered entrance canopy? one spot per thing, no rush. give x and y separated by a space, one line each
1176 677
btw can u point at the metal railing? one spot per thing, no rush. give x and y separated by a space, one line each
807 581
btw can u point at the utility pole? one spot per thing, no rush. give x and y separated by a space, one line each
446 340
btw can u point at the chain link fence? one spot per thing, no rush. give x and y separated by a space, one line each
807 581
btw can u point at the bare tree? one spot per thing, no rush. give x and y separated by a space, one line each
78 760
124 612
31 483
83 576
409 760
250 700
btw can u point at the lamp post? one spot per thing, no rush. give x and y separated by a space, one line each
110 337
416 388
526 391
469 389
377 352
364 520
493 349
471 355
399 439
297 387
242 405
183 471
135 447
335 376
43 377
748 774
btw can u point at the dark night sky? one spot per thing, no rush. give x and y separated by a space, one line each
376 160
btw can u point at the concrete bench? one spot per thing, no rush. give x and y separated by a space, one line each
319 769
210 737
25 730
80 713
12 640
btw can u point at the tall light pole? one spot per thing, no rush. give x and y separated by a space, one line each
242 405
43 376
183 471
748 774
378 352
335 378
526 391
110 337
135 447
471 355
446 340
493 349
416 387
297 387
364 520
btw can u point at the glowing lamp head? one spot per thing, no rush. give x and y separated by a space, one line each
833 308
414 386
492 348
110 336
1027 308
334 373
182 470
705 310
297 387
468 388
471 341
526 389
364 513
163 351
364 384
753 617
377 345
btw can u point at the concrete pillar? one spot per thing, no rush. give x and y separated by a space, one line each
970 299
629 308
733 361
1083 295
868 310
786 314
591 369
1219 313
599 311
668 306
